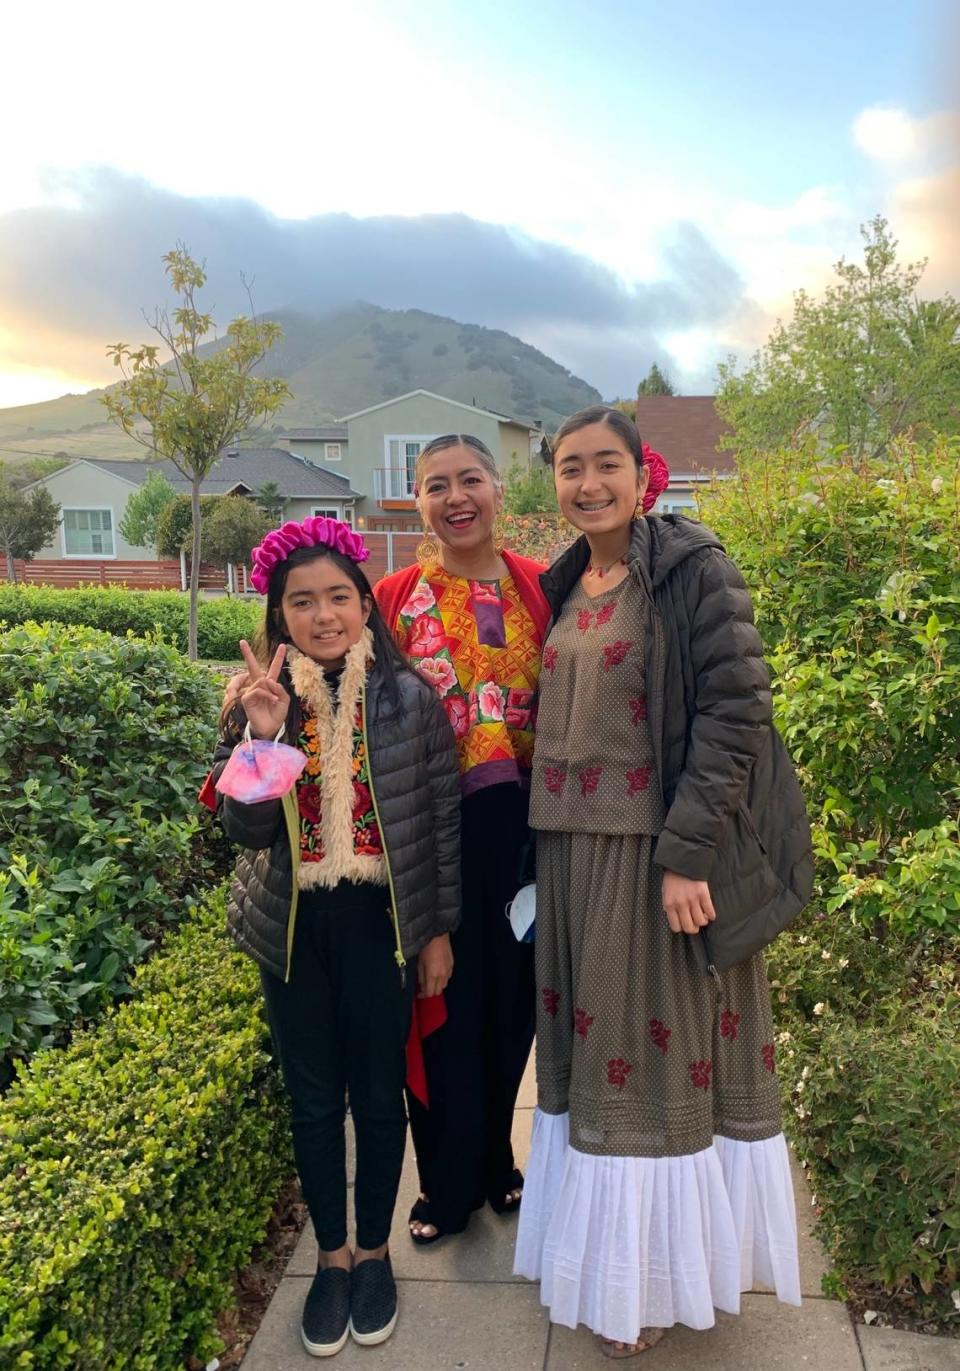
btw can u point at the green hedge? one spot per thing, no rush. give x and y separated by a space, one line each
104 742
138 1167
221 623
876 1120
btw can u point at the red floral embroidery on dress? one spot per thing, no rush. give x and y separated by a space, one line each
584 620
639 779
700 1073
766 1052
617 1072
549 658
551 999
660 1034
582 1021
638 710
614 653
426 637
606 614
729 1024
554 779
308 801
590 779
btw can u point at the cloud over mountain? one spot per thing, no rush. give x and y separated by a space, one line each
75 274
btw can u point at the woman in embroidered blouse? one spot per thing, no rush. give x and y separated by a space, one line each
471 618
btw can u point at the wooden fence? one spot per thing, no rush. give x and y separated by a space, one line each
388 552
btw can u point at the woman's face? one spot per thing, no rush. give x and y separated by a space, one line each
598 481
323 611
458 499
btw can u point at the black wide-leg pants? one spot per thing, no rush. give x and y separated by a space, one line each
475 1061
340 1025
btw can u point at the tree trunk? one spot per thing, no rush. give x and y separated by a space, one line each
194 568
11 568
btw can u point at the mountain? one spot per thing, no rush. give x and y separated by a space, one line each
344 361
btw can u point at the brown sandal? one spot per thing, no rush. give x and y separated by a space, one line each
649 1337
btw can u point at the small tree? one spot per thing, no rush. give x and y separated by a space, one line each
139 523
202 399
855 369
270 500
232 527
529 491
28 521
175 525
655 383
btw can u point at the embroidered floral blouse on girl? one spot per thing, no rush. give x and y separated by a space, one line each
476 643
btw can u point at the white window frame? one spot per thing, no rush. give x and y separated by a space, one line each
328 449
331 511
88 556
399 438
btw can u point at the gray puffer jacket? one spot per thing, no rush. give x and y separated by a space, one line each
415 782
735 813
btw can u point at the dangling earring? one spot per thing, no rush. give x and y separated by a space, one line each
428 549
638 510
498 534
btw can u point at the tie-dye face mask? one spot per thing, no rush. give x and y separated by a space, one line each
260 769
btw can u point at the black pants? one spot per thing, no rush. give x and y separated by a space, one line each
475 1062
340 1025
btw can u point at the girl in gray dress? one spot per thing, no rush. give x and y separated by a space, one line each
658 1186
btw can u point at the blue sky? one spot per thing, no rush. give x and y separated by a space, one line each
722 151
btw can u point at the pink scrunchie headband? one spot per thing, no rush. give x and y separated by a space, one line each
316 531
658 479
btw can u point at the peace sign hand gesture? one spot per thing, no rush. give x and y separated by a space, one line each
264 700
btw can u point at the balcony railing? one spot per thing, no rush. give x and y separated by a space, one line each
393 483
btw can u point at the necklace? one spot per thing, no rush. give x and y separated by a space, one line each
601 571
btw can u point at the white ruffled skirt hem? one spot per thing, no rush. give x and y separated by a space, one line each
624 1243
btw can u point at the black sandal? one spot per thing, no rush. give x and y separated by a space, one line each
498 1201
420 1213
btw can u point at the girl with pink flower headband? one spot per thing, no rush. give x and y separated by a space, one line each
672 843
345 893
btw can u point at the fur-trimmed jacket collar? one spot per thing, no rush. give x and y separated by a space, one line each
334 711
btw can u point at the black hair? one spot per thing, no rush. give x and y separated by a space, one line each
622 425
388 656
435 445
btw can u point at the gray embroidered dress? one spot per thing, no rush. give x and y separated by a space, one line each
641 1047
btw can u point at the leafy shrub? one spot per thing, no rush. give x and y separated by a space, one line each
104 742
855 571
879 1128
138 1166
220 623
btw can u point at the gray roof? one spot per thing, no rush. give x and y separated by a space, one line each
296 478
335 434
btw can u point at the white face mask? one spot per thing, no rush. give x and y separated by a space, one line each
521 911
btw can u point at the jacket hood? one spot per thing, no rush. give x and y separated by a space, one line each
658 544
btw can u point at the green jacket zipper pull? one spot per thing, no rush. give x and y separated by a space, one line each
400 960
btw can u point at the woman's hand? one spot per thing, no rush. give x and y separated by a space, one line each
264 699
687 903
434 966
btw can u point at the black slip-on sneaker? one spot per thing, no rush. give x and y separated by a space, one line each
373 1302
325 1325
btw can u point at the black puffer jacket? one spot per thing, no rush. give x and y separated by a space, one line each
735 813
416 785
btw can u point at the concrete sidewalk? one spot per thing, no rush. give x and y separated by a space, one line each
462 1308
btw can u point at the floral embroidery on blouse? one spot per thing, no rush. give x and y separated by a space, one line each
476 644
366 833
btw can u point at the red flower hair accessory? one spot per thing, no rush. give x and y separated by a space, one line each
317 531
658 478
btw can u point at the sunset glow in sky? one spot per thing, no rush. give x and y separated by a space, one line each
618 183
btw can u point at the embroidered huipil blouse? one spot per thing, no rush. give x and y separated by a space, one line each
476 643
